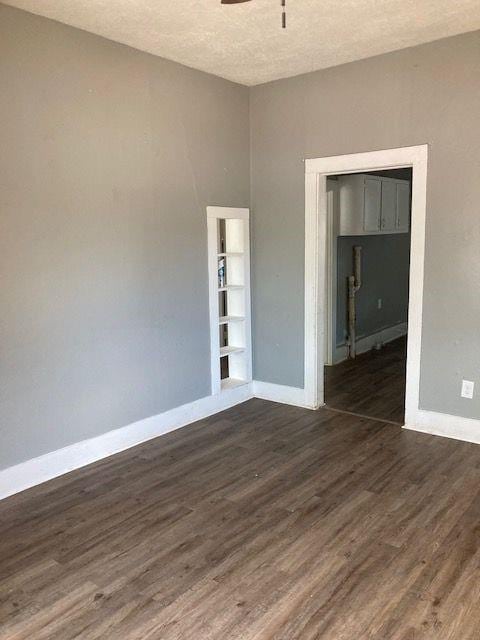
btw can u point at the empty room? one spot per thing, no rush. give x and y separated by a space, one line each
239 337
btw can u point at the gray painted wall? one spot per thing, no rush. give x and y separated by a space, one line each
385 270
109 158
112 156
428 94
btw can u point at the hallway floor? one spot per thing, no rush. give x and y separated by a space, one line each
372 385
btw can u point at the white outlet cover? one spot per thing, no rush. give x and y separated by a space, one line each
379 303
467 389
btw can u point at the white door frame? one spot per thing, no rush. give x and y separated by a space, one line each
331 272
316 172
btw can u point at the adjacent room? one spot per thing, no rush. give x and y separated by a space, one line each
239 347
368 269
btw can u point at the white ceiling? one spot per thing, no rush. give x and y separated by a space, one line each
245 42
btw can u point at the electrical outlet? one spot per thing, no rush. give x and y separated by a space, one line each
379 303
467 389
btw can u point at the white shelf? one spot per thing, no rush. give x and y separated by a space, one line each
231 383
227 319
230 324
226 351
231 287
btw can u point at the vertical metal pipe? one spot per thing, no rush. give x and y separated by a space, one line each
357 258
352 338
354 284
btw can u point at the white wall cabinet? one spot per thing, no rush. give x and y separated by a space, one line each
388 215
403 207
371 205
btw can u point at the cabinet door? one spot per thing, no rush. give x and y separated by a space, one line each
403 207
388 220
372 204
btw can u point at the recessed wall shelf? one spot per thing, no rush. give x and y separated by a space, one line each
230 255
231 383
226 351
227 319
229 288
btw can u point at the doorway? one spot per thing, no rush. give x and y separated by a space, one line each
317 257
367 278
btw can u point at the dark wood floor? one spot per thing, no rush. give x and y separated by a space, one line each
264 522
371 385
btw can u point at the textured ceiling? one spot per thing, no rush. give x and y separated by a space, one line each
245 42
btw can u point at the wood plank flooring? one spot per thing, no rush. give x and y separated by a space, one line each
263 522
372 385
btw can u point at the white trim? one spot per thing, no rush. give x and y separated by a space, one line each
280 393
56 463
443 424
331 266
213 304
51 465
315 234
366 343
415 300
316 171
399 157
228 212
248 300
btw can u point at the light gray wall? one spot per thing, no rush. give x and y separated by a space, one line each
428 94
385 270
108 159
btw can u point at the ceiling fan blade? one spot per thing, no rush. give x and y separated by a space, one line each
234 1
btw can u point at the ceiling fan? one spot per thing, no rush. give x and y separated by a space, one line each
283 2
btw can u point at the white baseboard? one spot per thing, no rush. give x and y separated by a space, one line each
368 342
280 393
51 465
443 424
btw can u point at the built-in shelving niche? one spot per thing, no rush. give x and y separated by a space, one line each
229 288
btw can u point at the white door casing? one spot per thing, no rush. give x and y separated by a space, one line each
316 172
